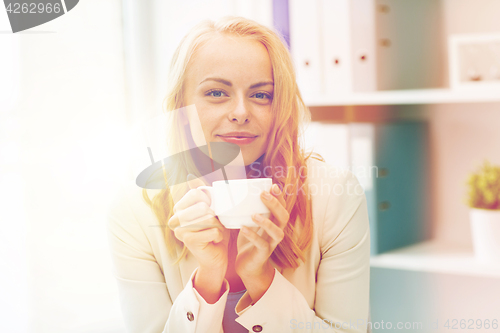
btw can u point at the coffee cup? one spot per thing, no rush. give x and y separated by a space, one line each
236 200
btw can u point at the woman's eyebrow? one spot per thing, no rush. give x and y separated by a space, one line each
227 83
260 84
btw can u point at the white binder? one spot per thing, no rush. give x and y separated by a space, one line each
363 45
337 62
333 46
305 46
331 141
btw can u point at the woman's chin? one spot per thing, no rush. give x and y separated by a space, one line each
248 157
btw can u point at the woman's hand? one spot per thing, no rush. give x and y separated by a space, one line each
254 249
195 224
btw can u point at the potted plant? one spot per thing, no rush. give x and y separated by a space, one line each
484 201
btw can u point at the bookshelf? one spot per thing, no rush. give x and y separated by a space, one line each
367 96
435 257
408 97
389 70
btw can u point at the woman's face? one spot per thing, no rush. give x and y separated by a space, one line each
230 80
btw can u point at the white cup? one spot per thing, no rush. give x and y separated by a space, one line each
235 202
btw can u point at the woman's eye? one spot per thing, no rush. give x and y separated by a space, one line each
262 95
215 93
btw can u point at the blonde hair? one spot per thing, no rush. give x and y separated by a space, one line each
283 149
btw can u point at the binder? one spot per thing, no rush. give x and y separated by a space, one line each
306 46
390 160
363 51
331 141
332 43
409 44
397 188
337 61
344 46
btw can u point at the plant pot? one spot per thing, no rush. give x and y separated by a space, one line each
485 227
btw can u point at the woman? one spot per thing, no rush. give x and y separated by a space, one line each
306 267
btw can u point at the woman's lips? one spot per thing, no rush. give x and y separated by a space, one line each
238 140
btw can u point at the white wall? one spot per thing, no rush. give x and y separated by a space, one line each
60 148
463 135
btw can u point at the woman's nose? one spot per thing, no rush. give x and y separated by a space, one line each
240 113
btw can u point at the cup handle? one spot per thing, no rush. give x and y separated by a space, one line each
210 190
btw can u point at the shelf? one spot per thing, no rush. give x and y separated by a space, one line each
419 96
436 257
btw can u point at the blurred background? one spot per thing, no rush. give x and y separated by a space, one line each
409 90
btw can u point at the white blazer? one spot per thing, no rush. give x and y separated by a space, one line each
329 291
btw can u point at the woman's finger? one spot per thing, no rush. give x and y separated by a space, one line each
173 222
193 212
275 233
277 209
278 194
190 198
200 237
256 240
194 182
198 223
202 223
